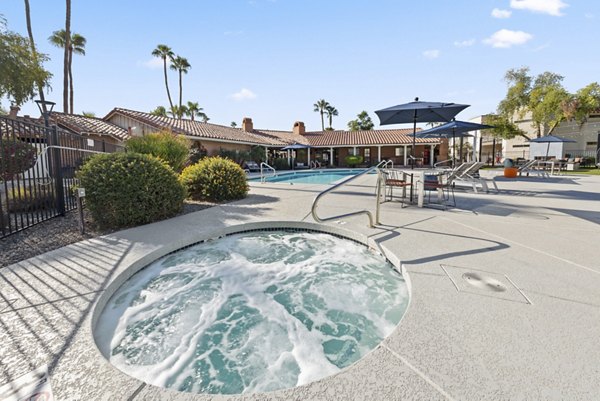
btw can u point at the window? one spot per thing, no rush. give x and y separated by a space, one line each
367 152
399 152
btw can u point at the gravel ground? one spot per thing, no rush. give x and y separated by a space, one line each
58 232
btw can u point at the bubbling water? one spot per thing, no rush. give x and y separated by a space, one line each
252 312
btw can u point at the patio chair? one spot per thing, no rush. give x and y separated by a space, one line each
532 166
396 179
442 182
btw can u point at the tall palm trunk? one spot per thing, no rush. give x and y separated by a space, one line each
66 60
322 121
167 82
34 52
71 80
180 91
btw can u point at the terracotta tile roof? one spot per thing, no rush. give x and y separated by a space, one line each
273 138
198 128
373 137
88 125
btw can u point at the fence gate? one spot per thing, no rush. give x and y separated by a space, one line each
37 172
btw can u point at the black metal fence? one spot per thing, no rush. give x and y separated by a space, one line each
37 171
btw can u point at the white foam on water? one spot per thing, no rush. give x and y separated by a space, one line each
252 312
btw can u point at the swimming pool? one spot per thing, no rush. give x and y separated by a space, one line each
312 176
252 312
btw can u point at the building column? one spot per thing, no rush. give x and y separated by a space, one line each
267 154
431 157
331 156
379 154
289 159
308 156
406 155
354 151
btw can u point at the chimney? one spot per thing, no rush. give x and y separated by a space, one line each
247 125
14 110
299 128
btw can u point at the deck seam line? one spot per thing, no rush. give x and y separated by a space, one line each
524 246
420 374
8 308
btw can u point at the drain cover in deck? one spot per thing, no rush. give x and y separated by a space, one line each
485 283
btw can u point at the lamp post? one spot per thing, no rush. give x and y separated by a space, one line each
46 108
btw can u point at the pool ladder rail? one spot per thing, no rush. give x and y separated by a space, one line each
380 165
264 166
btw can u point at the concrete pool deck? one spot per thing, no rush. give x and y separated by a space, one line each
536 340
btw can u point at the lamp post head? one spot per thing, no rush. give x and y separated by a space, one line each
49 106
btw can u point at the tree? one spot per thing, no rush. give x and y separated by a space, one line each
88 114
164 52
516 101
204 118
20 73
182 66
503 127
320 107
331 112
77 46
159 111
40 85
66 58
233 124
194 110
362 123
587 101
177 111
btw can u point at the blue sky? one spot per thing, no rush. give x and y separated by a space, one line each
272 59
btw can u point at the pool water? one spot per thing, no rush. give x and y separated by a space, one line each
313 177
252 312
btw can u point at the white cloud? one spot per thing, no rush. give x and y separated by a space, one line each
464 43
552 7
505 38
243 94
589 15
542 47
431 54
154 63
498 13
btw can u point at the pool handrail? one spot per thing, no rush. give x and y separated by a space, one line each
263 177
387 163
313 209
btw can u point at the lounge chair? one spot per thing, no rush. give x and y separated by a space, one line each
469 173
251 166
531 166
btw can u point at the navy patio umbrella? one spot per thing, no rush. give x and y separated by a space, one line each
452 129
419 112
550 139
296 146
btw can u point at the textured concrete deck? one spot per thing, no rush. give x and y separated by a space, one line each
537 340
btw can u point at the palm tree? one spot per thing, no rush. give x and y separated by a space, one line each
204 117
321 106
88 114
331 112
34 52
194 110
159 111
66 58
77 46
182 66
164 51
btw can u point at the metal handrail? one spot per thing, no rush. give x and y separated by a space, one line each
387 163
436 165
263 177
313 209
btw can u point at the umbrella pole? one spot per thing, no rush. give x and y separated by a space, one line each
414 147
453 145
547 150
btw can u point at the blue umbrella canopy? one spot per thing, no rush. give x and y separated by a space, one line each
419 112
296 146
452 129
551 139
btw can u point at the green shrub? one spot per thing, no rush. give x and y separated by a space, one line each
171 148
15 157
128 189
237 156
195 155
25 199
215 179
352 160
281 164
